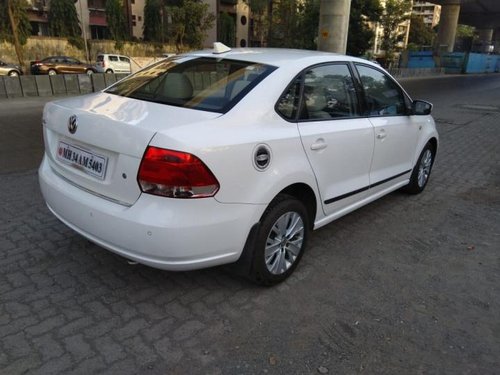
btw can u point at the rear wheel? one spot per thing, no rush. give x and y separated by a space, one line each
13 73
89 72
421 171
280 240
52 72
109 71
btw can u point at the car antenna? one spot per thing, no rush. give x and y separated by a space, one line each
220 48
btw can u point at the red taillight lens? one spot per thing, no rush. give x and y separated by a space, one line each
175 174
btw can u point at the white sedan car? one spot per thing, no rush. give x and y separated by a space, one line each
232 156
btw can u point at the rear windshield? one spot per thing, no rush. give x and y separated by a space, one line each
100 58
204 83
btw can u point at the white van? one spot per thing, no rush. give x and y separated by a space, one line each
111 63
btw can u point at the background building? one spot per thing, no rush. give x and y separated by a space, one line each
429 12
92 16
403 28
37 14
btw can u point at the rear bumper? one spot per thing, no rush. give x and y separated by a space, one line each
171 234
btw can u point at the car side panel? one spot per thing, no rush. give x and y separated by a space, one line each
230 156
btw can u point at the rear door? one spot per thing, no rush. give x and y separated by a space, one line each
124 64
114 63
337 141
75 66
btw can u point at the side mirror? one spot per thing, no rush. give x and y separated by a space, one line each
421 107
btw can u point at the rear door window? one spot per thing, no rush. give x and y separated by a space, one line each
329 93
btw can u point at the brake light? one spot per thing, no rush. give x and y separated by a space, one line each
175 174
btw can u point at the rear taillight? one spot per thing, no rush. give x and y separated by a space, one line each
175 174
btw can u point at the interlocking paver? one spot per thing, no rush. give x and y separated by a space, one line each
407 284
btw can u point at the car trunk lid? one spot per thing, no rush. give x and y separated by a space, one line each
97 141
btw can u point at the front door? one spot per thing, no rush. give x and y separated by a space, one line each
395 132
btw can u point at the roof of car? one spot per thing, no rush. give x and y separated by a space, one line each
276 56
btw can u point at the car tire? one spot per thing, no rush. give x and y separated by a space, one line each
421 171
13 73
52 72
89 72
109 71
280 240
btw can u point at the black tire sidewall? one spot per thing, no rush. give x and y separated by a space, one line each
279 207
413 187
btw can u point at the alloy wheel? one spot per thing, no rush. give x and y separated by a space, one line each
284 243
424 169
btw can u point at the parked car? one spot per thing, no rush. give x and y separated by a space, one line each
111 63
210 158
61 65
12 70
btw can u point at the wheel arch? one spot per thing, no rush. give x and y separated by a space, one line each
434 143
306 195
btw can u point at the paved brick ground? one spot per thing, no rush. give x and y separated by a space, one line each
404 285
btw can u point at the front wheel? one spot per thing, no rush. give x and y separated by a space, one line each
280 240
52 72
421 171
89 72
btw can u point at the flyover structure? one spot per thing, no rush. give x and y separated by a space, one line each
484 15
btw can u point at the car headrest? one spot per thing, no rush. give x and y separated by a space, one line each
177 86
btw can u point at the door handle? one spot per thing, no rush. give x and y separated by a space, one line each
381 135
320 144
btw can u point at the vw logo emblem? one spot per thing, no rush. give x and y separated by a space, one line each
72 124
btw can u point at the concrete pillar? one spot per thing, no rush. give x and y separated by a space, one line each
82 10
485 36
448 25
333 25
496 41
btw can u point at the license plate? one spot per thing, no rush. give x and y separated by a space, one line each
86 161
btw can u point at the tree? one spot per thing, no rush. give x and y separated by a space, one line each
420 33
262 14
63 20
308 24
177 21
153 29
394 14
227 30
361 35
188 23
286 23
116 20
14 25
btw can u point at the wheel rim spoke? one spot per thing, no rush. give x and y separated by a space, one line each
424 168
284 243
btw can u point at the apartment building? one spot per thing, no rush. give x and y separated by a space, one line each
429 12
92 15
